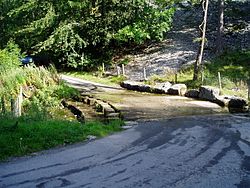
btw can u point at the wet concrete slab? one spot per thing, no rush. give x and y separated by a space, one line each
146 106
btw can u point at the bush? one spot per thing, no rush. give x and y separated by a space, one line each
9 57
64 91
153 26
74 33
46 91
20 136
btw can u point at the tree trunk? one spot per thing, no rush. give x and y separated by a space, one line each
220 30
203 38
248 85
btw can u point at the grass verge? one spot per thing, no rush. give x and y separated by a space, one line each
31 135
234 68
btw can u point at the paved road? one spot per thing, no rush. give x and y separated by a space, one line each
197 151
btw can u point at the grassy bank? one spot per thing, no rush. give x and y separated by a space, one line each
23 136
43 124
234 68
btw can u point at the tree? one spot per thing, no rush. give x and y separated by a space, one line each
202 28
220 29
77 32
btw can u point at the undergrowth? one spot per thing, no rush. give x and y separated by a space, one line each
43 124
234 68
25 135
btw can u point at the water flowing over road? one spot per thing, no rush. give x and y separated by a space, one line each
145 106
197 151
190 151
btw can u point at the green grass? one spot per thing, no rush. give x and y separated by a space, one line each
95 77
35 135
44 124
234 68
184 76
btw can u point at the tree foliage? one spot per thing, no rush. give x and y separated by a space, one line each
76 32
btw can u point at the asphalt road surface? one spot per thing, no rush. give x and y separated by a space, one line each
198 151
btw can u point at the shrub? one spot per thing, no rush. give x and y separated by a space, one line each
153 26
20 136
64 91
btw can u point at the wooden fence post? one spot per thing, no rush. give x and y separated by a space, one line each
3 107
248 86
123 70
144 74
219 78
175 78
16 104
118 70
103 68
202 77
20 101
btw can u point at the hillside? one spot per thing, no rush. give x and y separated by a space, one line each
179 48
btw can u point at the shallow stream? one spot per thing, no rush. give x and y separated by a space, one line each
136 105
